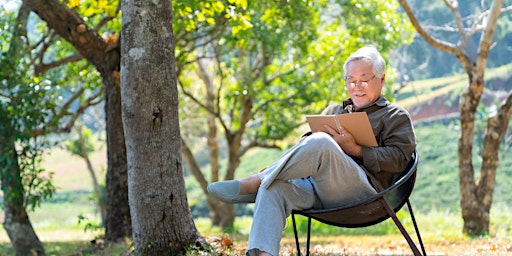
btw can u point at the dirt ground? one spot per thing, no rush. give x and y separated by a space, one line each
376 245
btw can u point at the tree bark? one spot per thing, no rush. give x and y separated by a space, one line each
118 223
474 212
161 220
476 197
16 221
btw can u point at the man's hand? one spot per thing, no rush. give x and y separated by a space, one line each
345 140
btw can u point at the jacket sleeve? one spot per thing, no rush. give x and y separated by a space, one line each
397 142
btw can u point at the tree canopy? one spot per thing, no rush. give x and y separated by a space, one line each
253 70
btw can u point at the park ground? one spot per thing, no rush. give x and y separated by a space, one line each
62 234
77 242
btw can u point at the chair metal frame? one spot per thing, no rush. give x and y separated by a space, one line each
370 211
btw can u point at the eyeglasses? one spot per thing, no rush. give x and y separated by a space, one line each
363 84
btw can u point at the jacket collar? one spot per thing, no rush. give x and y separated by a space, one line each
348 104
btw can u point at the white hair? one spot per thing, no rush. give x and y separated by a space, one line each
368 53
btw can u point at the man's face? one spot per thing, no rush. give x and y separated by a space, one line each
359 73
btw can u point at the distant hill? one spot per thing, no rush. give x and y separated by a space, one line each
439 97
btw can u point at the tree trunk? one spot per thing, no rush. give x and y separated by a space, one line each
161 220
476 196
118 223
95 184
221 214
16 221
476 221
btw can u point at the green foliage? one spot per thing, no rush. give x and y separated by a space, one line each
285 59
438 168
37 182
373 21
83 135
88 223
25 106
33 105
96 11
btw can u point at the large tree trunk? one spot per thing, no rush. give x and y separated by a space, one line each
161 220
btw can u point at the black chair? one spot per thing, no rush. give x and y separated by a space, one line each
372 210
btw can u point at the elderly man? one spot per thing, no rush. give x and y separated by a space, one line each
326 169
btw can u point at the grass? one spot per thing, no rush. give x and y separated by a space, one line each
440 232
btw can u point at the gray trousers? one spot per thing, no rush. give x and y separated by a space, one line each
315 173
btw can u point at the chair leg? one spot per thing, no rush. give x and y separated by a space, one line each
296 235
416 227
309 236
400 227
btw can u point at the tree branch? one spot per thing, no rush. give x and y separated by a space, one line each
439 44
93 100
70 26
42 67
496 127
253 144
193 98
453 6
193 166
486 38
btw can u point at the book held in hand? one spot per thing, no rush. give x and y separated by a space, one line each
356 123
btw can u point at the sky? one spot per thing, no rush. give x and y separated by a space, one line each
9 4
